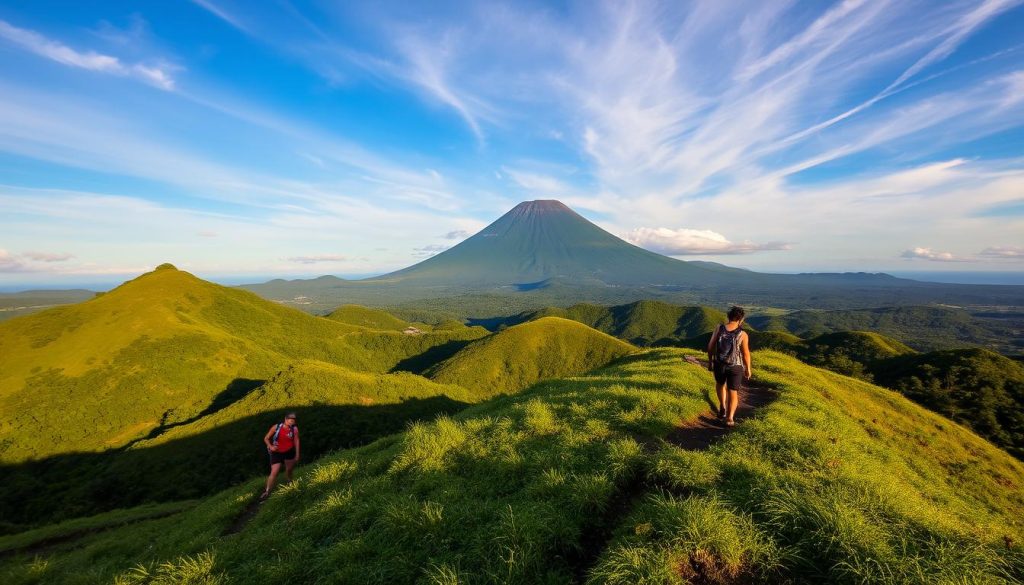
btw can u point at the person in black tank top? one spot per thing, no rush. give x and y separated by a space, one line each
729 359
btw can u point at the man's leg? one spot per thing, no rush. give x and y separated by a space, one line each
722 401
274 468
734 401
289 465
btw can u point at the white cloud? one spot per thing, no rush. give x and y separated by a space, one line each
47 257
9 263
156 75
1003 252
457 235
223 14
689 242
929 254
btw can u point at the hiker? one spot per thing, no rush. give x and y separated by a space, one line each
729 356
282 441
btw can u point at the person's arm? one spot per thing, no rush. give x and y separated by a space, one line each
266 440
296 443
711 345
745 346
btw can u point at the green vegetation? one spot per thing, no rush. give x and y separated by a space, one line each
370 318
70 529
508 361
640 323
32 301
338 408
979 389
923 328
577 480
164 349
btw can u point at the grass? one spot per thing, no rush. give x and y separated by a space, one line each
519 356
77 527
572 480
370 318
337 408
161 350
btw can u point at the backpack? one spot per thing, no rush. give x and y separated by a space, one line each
277 433
728 346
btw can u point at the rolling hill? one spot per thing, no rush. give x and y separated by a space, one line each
580 481
162 350
510 360
924 328
640 323
337 408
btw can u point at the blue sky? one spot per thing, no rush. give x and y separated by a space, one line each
284 138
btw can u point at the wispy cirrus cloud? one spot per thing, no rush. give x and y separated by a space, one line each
155 74
48 256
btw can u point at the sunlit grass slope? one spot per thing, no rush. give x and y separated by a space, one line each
159 350
367 317
641 323
571 481
975 387
337 407
550 347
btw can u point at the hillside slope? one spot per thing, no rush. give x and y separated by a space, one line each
337 408
925 328
578 480
161 350
640 323
519 356
367 317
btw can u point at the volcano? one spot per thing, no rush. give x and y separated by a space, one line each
543 240
545 247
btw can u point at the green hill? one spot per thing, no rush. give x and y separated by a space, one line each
550 347
579 480
337 408
923 328
163 349
641 323
369 318
981 390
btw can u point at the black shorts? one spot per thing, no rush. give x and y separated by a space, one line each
282 456
733 375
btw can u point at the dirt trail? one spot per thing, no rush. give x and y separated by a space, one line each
695 434
244 517
700 433
70 539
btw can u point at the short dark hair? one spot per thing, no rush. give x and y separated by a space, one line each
289 415
737 314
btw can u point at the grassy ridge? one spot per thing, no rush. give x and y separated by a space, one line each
338 408
508 361
162 350
977 388
367 317
641 323
837 480
924 328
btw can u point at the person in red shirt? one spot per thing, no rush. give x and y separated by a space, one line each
282 441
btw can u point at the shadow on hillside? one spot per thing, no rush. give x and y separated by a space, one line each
238 389
83 484
420 363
